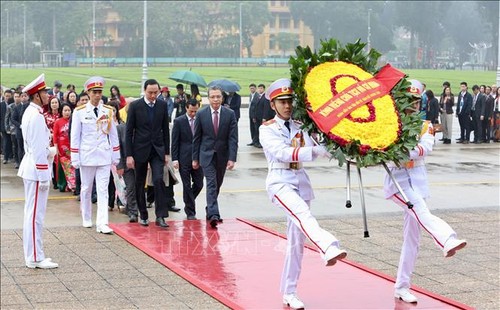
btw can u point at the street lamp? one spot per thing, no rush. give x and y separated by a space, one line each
498 59
369 29
241 36
24 33
144 48
93 34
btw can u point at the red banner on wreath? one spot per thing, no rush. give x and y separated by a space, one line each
355 96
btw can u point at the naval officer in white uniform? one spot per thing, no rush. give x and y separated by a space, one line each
94 147
412 177
286 146
34 170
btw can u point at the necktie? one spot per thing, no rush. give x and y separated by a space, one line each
287 125
216 122
191 123
474 102
95 111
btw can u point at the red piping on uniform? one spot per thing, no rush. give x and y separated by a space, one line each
33 222
418 220
302 227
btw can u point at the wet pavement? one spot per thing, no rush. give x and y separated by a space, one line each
100 271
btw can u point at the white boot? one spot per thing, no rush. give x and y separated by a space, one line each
293 301
405 295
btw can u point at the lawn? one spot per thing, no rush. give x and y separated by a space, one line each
128 79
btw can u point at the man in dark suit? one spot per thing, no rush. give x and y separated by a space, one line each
477 110
215 145
487 115
56 91
182 156
148 142
233 101
464 105
253 94
256 113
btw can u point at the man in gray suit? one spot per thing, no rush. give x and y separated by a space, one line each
215 144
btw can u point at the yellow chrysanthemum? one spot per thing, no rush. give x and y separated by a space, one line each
375 125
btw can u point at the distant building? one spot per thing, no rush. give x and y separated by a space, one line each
278 39
283 29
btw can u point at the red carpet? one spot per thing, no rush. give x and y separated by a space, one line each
240 265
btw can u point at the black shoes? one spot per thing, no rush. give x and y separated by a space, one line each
250 144
173 209
160 221
191 217
133 218
144 222
447 141
214 221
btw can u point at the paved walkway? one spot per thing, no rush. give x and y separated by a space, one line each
105 272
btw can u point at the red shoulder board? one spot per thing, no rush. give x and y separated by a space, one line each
269 122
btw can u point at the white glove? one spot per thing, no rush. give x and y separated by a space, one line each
43 185
321 151
116 162
76 164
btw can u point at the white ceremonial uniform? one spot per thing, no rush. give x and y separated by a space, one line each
34 169
289 188
94 147
412 177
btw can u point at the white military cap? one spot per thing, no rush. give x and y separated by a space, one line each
36 85
94 83
280 89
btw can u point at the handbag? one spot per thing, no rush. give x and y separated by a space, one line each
438 127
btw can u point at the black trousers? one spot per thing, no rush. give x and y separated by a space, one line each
256 126
141 169
465 126
252 130
192 184
214 176
477 124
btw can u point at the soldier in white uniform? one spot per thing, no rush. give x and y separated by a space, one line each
94 147
412 177
34 170
286 146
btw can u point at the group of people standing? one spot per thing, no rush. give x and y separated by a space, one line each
477 112
205 144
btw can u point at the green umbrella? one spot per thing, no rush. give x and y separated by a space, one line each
188 77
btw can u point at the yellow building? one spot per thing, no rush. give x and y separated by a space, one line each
279 38
283 29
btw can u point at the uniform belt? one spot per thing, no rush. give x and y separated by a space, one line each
289 166
409 164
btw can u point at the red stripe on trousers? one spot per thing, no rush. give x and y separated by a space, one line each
34 217
418 220
302 227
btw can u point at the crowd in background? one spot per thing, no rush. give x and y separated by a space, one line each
58 114
477 112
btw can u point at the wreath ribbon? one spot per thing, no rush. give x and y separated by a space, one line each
356 95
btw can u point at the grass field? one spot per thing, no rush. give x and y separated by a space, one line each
128 79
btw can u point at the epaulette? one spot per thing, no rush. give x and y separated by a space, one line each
107 106
269 122
80 107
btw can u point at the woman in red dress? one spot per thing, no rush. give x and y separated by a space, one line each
116 95
51 116
61 141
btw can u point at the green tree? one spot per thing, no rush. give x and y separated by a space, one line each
287 41
345 21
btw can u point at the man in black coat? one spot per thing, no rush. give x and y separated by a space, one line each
233 101
257 112
182 157
215 145
487 114
464 105
477 110
148 142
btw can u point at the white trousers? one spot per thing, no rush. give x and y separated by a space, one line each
301 224
415 219
101 174
35 205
